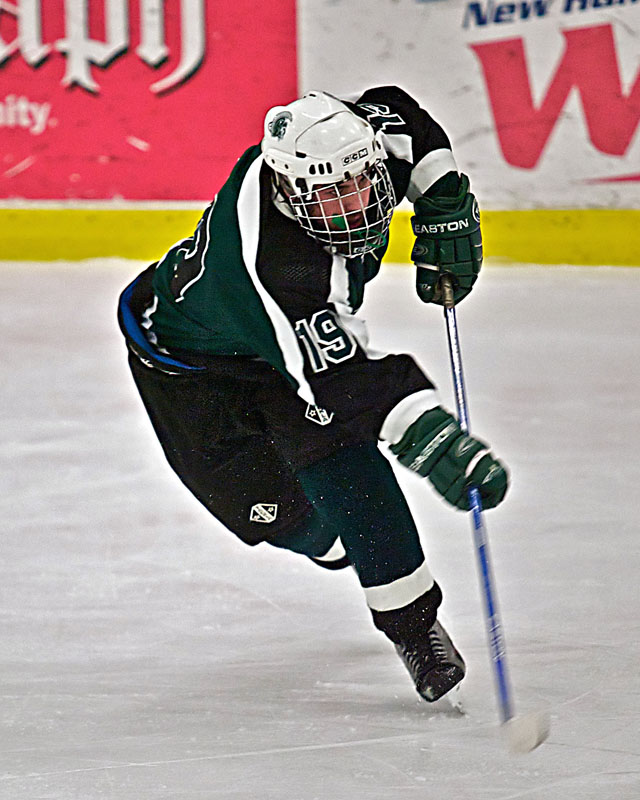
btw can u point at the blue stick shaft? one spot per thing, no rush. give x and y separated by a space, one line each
492 618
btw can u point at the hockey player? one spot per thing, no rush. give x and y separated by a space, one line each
256 372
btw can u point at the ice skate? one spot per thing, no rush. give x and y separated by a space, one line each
434 663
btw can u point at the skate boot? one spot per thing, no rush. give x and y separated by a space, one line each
434 663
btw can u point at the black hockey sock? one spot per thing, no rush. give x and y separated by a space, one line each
358 498
410 623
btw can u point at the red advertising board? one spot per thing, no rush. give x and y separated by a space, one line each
136 99
589 64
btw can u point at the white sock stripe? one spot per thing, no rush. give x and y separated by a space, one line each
334 553
400 592
406 412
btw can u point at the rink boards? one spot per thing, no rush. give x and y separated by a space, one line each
543 236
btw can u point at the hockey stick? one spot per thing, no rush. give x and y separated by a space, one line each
526 732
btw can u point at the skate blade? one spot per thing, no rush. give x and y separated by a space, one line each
451 703
455 698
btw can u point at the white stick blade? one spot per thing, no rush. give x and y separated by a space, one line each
527 732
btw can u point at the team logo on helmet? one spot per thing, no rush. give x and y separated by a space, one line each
278 125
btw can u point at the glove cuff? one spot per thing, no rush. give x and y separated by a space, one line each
405 413
426 440
436 201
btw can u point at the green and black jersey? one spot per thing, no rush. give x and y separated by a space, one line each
251 282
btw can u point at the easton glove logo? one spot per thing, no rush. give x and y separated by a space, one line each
475 210
279 124
440 227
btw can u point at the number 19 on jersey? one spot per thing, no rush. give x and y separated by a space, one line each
325 342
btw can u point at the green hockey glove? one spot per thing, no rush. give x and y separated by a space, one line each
436 447
448 240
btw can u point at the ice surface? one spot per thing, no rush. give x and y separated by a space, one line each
146 653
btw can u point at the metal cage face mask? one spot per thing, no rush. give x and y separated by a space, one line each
351 217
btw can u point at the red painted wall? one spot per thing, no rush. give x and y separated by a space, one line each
138 99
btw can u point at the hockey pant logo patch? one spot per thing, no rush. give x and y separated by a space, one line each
263 512
318 415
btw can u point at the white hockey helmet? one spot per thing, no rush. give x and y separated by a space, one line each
330 166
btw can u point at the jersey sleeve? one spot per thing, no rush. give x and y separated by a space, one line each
419 150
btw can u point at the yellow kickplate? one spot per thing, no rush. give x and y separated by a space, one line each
546 236
44 234
540 236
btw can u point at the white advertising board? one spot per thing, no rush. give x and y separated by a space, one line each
541 98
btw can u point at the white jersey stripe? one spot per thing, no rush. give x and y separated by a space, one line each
354 326
433 166
339 291
249 220
401 592
399 144
339 298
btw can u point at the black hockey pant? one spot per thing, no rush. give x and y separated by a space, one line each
274 476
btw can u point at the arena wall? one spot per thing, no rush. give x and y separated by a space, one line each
119 121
